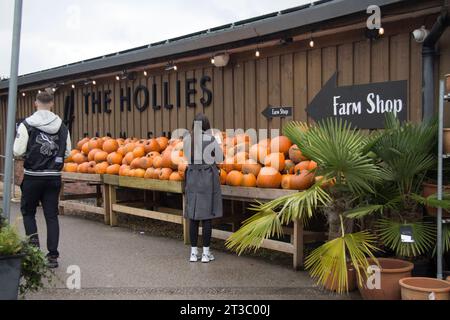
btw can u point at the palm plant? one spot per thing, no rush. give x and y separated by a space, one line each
405 155
340 152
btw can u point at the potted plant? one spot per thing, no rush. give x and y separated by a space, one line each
23 267
430 186
348 172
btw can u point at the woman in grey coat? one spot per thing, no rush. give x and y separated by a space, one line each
202 185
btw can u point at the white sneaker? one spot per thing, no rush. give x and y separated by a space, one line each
207 257
193 258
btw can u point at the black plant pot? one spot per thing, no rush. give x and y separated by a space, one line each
10 269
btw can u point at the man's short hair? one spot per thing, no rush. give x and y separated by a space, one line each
45 97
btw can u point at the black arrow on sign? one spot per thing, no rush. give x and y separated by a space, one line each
351 102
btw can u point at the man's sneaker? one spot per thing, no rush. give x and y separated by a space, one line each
193 258
52 262
207 257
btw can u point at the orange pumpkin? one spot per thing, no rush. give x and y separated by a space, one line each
145 162
113 169
223 177
227 165
304 165
128 158
259 152
265 143
129 147
120 141
239 160
286 181
139 151
175 176
91 154
70 157
280 144
178 145
100 168
151 145
289 166
83 167
110 146
157 162
251 166
167 158
163 143
100 156
324 183
242 147
135 164
95 143
165 174
156 173
153 154
249 180
115 158
70 167
124 170
241 138
302 180
312 165
275 160
91 167
182 167
228 142
269 178
149 173
85 148
296 155
122 150
234 178
139 173
79 158
81 143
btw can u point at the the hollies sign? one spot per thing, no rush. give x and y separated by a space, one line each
141 98
365 106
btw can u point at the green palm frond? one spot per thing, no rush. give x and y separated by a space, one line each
297 206
272 215
328 263
338 149
364 210
423 234
445 240
432 200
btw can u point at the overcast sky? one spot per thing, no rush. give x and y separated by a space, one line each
56 32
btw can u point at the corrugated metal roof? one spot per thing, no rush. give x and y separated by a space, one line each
234 32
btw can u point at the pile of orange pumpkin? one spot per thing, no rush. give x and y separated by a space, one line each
151 159
271 163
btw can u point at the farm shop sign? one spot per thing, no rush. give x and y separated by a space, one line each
365 106
142 97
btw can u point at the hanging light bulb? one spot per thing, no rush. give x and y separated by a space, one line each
39 91
311 43
381 31
23 94
213 61
117 78
175 68
73 86
145 73
257 53
94 82
54 89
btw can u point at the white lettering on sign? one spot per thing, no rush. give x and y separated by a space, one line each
280 112
375 105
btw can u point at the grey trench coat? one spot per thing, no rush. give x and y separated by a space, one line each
203 193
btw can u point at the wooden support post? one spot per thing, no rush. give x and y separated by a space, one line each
99 195
107 204
298 245
185 225
61 198
112 191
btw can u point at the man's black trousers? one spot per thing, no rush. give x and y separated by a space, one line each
46 191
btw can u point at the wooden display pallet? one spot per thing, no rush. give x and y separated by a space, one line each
298 236
92 180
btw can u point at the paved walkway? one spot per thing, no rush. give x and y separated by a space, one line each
117 263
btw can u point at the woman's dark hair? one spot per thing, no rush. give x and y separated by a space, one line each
200 117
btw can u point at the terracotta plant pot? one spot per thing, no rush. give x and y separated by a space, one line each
391 271
428 190
447 140
424 289
351 275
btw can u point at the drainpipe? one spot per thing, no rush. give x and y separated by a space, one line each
429 53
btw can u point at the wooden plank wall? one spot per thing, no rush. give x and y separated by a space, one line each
290 75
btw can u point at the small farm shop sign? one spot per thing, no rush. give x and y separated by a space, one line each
365 106
277 112
143 97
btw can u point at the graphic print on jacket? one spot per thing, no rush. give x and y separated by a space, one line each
49 146
45 151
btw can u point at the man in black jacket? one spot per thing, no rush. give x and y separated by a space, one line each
44 142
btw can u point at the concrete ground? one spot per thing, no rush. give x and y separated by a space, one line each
117 263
